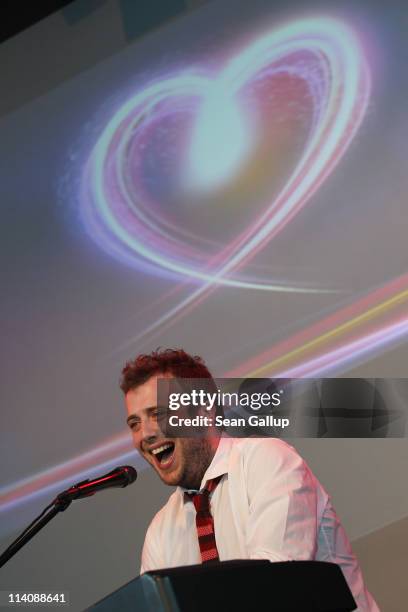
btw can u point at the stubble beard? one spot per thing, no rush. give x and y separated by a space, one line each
197 454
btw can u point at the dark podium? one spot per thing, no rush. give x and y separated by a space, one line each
235 586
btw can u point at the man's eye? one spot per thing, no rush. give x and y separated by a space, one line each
161 413
134 425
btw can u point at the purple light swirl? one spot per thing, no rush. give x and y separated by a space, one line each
127 223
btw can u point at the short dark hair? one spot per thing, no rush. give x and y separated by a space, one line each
172 361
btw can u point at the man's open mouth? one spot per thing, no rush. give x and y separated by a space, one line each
163 454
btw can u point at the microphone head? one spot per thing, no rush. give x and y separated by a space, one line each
129 474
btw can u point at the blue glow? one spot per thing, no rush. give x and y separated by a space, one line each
220 140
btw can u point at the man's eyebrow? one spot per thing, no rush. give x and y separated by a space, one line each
136 417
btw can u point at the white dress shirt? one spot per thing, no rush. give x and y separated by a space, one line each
268 505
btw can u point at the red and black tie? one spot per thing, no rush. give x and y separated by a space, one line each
205 521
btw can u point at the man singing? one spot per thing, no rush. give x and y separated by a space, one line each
235 498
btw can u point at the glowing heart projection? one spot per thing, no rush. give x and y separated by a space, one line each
219 136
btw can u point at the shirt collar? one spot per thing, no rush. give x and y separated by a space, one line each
220 462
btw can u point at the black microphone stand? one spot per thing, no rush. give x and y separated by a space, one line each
119 477
60 503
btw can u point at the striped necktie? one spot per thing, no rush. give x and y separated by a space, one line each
205 521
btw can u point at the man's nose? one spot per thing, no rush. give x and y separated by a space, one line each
149 430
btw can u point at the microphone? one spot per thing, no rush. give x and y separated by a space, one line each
119 477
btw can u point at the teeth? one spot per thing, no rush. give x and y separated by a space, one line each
160 449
